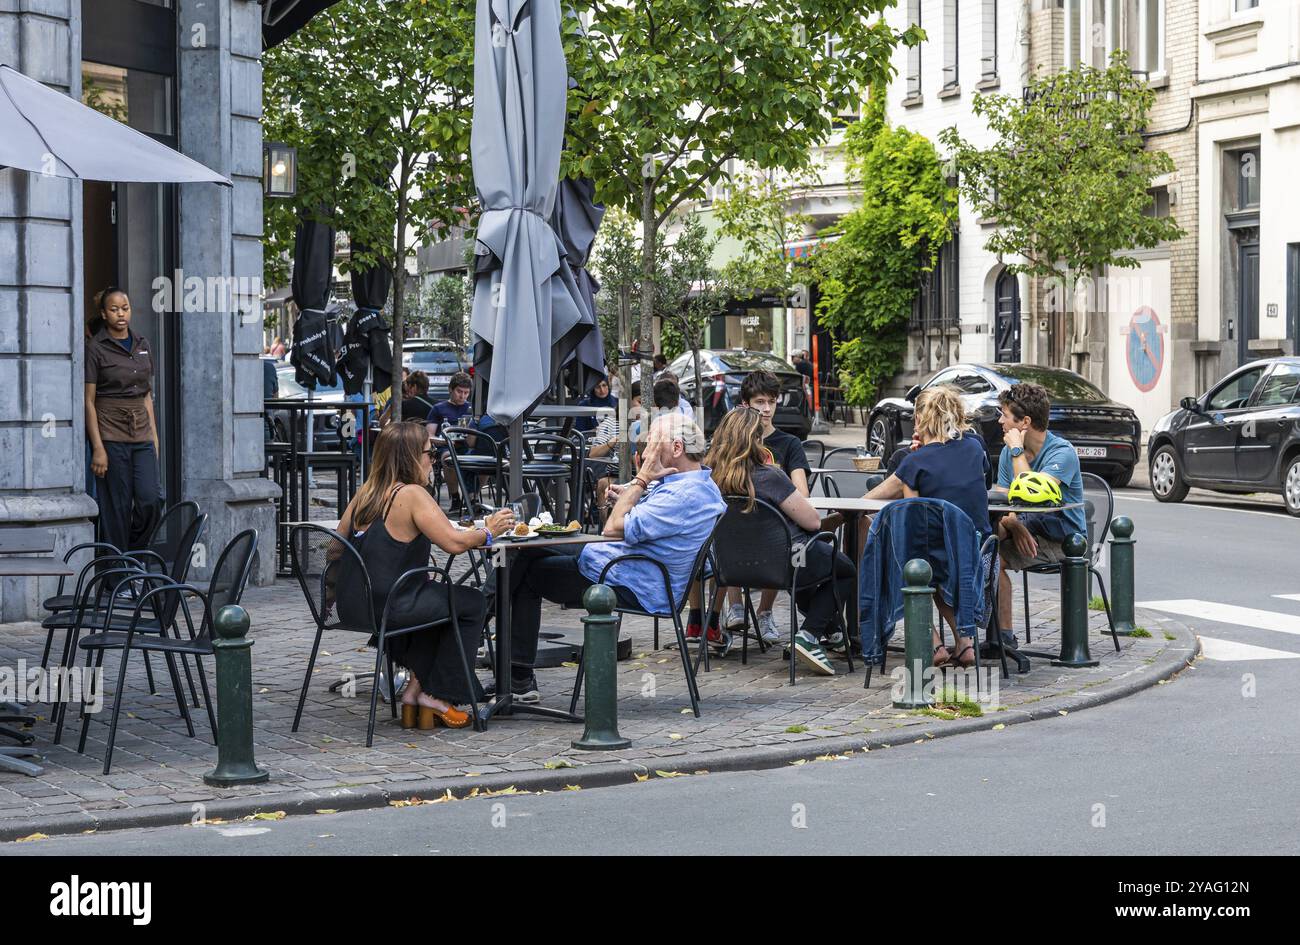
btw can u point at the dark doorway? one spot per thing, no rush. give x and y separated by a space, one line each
1293 296
1247 298
1007 319
129 51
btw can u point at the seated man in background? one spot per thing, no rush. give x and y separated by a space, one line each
450 413
1028 446
666 512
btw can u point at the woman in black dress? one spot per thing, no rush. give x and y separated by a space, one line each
393 523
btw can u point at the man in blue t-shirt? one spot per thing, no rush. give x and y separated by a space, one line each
1034 538
450 413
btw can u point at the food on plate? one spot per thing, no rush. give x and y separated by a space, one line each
521 530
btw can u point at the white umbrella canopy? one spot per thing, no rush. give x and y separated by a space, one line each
528 309
46 132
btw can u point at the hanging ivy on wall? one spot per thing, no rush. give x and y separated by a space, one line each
870 277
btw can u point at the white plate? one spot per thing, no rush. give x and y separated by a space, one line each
1090 452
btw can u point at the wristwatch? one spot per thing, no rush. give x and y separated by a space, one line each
1017 451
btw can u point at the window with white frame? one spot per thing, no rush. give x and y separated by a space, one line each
914 52
989 41
950 17
1144 35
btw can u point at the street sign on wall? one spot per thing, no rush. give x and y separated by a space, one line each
1138 351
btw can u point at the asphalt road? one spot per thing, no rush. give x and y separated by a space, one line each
1203 765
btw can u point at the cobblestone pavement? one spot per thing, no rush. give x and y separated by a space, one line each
156 766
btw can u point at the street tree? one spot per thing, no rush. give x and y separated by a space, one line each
756 214
1068 175
672 94
691 292
376 98
869 277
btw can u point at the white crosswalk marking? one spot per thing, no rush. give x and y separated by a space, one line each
1228 613
1229 650
1287 596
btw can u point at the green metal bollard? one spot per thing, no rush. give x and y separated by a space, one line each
918 606
1074 605
599 662
234 663
1121 575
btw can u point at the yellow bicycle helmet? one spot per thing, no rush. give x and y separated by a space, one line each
1034 488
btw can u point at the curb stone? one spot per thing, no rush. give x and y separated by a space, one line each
1172 660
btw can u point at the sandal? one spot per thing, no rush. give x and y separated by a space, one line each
956 658
940 662
452 718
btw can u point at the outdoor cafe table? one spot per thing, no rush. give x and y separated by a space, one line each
503 702
852 509
568 413
13 566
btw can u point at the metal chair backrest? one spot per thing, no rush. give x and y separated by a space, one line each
230 576
815 450
180 567
553 448
839 451
166 538
752 548
318 571
1101 500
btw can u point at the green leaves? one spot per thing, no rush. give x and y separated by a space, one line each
1068 175
870 277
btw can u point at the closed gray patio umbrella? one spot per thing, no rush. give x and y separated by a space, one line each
46 132
528 316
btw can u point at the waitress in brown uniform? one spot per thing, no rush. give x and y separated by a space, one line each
120 421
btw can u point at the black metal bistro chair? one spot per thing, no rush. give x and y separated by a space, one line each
698 572
317 570
1097 497
85 616
229 580
754 550
469 468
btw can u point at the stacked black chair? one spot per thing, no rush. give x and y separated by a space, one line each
168 600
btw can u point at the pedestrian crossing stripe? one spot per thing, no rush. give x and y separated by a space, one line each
1228 613
1231 651
1287 596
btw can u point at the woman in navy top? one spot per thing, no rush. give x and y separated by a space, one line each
950 463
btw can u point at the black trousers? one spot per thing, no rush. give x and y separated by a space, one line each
813 590
538 574
128 490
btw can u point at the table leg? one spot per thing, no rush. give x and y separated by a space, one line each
503 702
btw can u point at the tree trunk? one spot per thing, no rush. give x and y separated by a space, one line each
399 292
649 250
625 379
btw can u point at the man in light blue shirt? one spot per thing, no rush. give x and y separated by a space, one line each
1032 538
666 512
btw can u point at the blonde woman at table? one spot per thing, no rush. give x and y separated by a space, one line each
393 522
742 465
948 461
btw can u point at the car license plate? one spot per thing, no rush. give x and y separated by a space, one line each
1090 452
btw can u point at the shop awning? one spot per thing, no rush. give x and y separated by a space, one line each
44 131
802 249
282 18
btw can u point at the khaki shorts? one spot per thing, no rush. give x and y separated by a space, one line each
1049 552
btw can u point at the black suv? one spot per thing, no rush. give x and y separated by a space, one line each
1242 436
723 370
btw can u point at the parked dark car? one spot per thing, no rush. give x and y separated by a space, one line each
438 359
1106 435
722 370
278 382
1243 435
